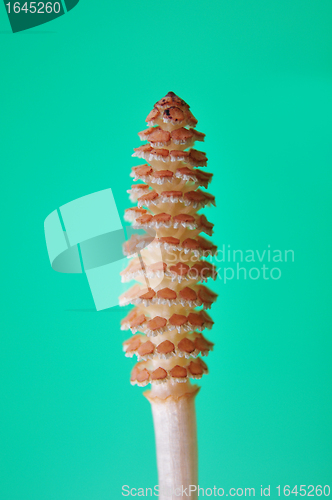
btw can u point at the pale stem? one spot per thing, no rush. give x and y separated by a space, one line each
176 441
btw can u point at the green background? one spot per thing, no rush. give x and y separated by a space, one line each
74 94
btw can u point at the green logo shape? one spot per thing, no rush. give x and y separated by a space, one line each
86 236
25 15
70 4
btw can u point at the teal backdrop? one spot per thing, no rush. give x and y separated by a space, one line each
74 94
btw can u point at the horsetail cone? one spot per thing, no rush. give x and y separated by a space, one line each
170 297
